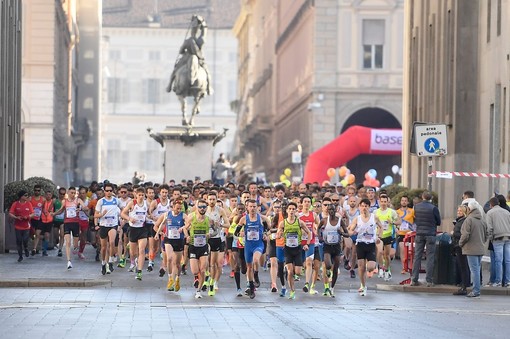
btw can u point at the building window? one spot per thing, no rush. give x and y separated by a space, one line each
153 91
498 22
373 43
488 20
154 55
114 90
113 154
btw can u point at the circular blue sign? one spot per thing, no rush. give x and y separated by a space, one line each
431 145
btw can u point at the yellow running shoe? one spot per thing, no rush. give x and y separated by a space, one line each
170 285
177 284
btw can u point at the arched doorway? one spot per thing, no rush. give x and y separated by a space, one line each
375 118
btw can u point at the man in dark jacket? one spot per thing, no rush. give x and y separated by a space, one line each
427 219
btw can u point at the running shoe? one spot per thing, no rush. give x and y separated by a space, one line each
195 283
353 274
177 284
239 292
69 265
274 289
216 288
108 270
81 256
20 259
363 292
32 253
292 295
44 254
332 292
283 292
211 291
27 253
313 291
306 288
252 293
110 265
139 275
75 250
296 277
327 292
162 272
205 285
381 273
58 255
257 281
103 269
150 267
122 263
131 267
198 295
170 284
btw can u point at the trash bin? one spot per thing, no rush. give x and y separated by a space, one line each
444 261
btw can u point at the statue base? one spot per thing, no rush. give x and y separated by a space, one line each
188 152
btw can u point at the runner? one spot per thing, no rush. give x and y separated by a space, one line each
389 219
351 213
196 231
311 221
238 259
149 224
47 221
277 206
331 229
122 240
71 206
173 222
136 213
407 225
291 229
367 228
107 213
157 208
58 221
84 220
253 225
37 204
22 211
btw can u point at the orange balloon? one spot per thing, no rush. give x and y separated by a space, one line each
367 176
351 179
342 171
377 183
331 172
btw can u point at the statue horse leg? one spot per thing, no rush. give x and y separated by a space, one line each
182 100
196 107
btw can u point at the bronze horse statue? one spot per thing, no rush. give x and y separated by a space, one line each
190 81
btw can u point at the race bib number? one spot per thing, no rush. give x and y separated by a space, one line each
253 234
173 232
83 215
292 240
71 212
332 237
37 212
199 240
109 221
386 225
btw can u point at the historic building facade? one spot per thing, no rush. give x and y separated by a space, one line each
311 69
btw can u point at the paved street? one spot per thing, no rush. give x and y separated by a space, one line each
124 307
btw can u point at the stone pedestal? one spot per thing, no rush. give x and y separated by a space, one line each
188 151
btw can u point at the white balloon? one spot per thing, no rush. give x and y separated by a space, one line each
395 169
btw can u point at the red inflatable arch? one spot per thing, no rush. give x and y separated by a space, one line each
354 141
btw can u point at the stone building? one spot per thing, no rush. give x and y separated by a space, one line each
457 72
309 70
141 41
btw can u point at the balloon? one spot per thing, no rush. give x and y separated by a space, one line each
394 169
351 179
388 180
287 172
331 172
377 183
283 177
366 183
286 182
373 173
344 182
342 172
367 176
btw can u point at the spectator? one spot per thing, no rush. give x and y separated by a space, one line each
498 229
22 211
460 259
473 241
427 219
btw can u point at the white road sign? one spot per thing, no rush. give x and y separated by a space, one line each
430 140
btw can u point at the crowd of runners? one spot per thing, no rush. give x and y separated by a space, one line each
201 229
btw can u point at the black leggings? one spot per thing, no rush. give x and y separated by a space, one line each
21 240
281 275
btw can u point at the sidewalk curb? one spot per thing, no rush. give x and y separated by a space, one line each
31 282
444 289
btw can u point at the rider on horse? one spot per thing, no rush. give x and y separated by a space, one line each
193 46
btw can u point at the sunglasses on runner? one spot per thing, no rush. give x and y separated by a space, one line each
202 207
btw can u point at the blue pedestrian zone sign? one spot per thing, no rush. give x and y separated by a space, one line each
430 140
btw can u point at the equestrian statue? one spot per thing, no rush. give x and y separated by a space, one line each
190 76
